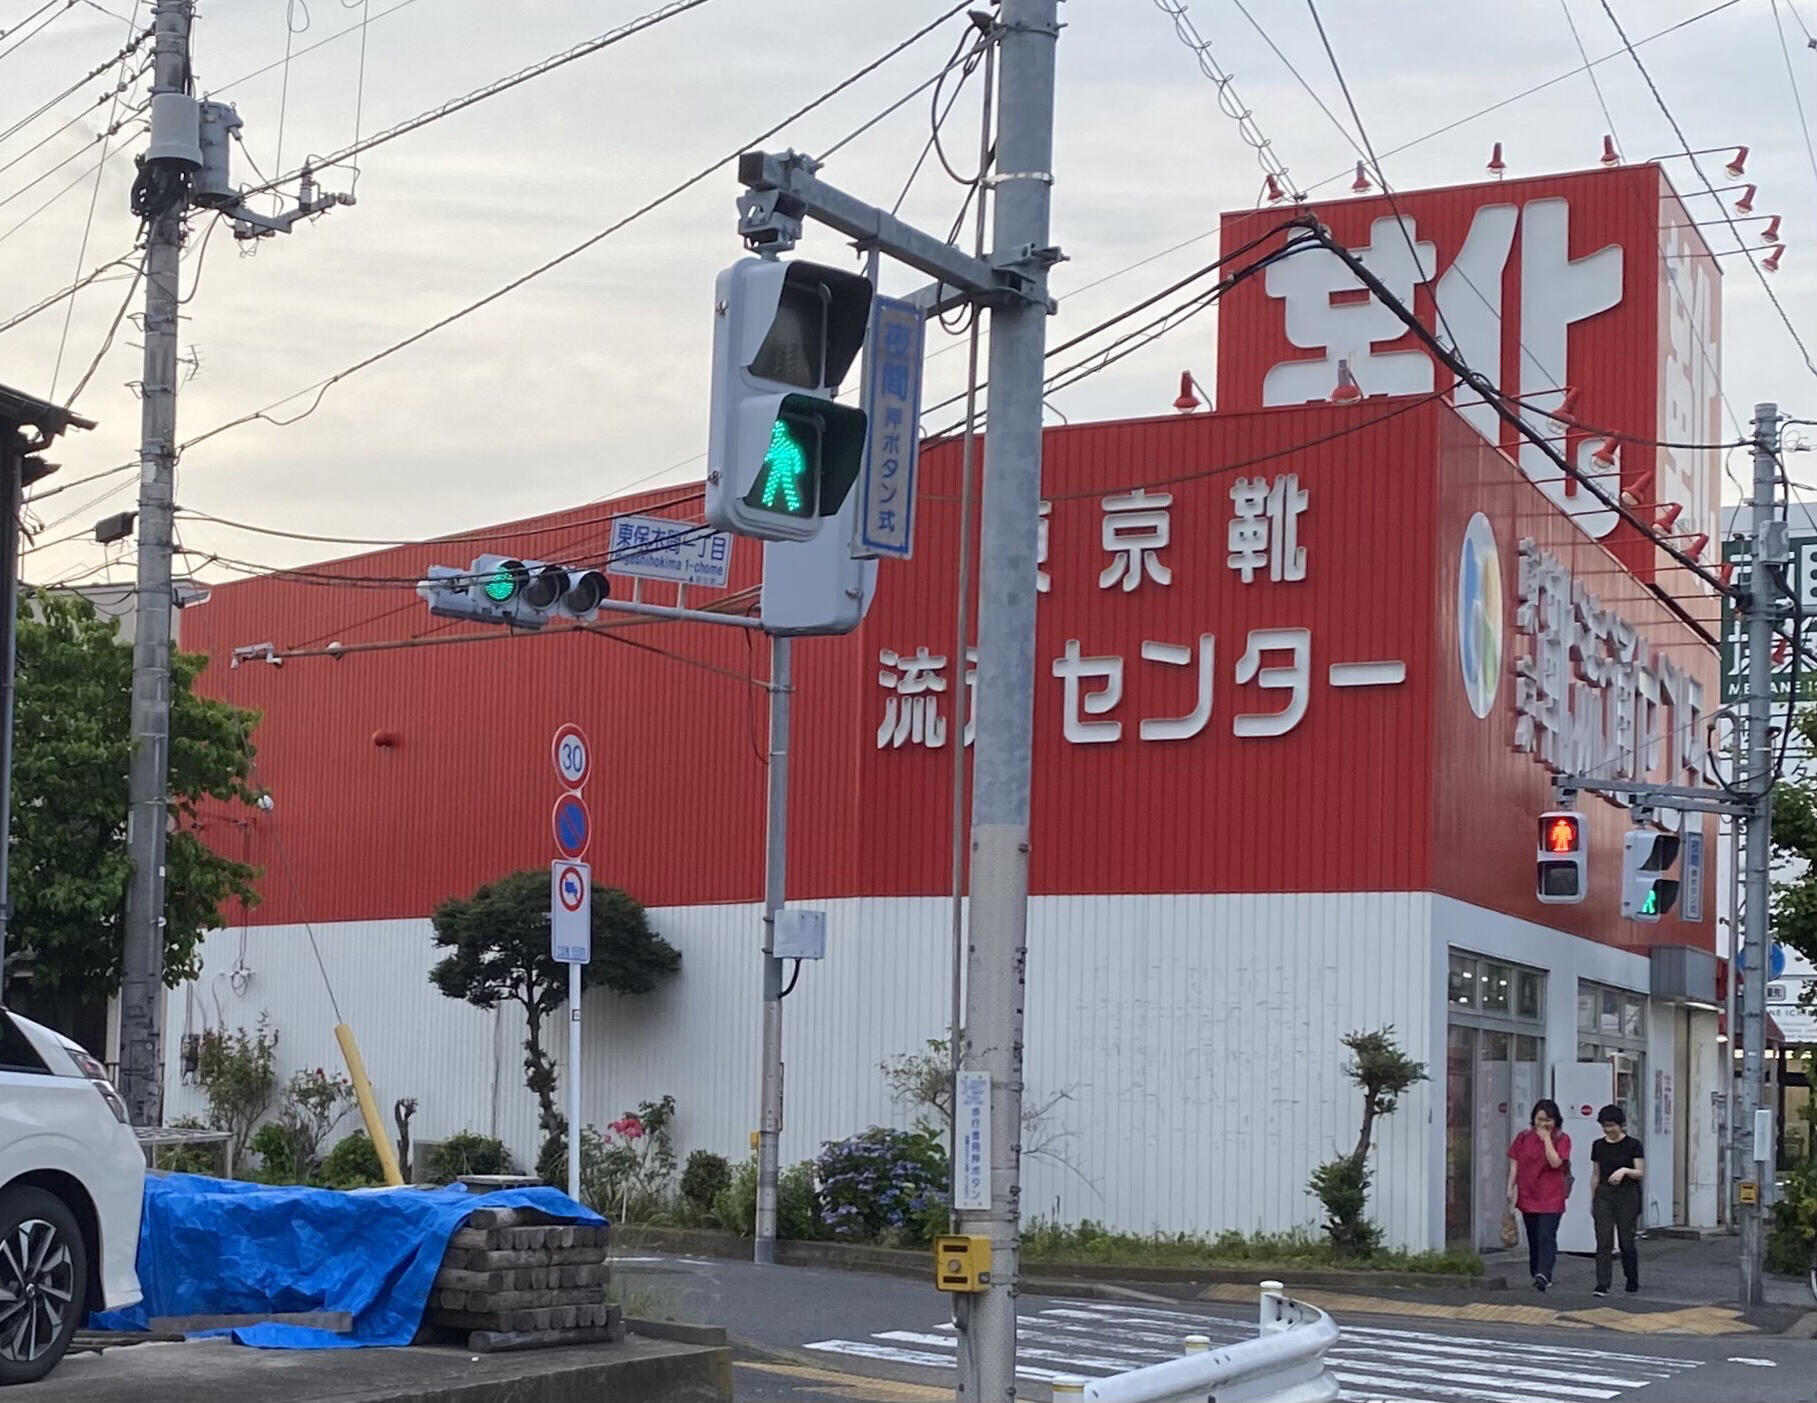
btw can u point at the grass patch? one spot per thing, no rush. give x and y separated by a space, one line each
1044 1241
645 1302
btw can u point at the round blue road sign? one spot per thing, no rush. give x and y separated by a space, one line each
1775 961
573 826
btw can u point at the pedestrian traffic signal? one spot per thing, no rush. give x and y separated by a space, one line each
524 594
1647 893
1561 858
781 454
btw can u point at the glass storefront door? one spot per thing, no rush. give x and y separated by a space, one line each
1494 1052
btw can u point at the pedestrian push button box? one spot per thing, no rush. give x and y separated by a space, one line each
962 1264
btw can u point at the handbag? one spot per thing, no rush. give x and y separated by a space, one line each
1510 1232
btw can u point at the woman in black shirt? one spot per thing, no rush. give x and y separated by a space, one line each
1617 1166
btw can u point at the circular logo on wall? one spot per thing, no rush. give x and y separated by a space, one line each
1479 615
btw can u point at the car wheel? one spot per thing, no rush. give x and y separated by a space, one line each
43 1283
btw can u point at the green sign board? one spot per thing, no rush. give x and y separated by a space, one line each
1801 575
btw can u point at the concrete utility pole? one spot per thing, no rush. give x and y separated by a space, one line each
1003 760
1753 1132
775 877
164 204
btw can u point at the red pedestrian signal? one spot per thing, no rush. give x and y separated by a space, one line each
1560 879
1561 833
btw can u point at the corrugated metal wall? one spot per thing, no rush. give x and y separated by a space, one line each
463 793
1195 1039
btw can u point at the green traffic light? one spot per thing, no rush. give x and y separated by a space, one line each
784 483
1650 907
500 586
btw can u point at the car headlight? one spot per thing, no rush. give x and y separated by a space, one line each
97 1078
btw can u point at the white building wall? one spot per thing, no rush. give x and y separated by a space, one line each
1196 1039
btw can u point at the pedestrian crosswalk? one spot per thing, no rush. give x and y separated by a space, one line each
1370 1365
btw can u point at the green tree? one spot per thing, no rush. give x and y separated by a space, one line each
1383 1073
72 749
1794 911
498 951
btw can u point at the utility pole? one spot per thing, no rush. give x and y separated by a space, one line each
1003 761
188 164
1753 1132
164 181
775 878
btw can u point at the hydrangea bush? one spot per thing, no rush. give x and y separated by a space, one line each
884 1185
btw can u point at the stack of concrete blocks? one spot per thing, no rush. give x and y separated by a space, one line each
512 1279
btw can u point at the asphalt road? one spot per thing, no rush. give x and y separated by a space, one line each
821 1335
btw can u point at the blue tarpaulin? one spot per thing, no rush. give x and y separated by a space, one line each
222 1247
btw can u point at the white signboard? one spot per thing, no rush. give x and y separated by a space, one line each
571 912
972 1183
892 404
662 548
1581 1089
1785 1002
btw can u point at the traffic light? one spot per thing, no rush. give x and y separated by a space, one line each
1561 858
781 455
526 594
1647 893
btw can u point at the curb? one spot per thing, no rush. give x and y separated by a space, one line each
1054 1278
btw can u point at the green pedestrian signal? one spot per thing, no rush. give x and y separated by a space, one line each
787 481
782 453
1648 888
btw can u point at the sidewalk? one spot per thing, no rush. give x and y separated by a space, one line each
1675 1271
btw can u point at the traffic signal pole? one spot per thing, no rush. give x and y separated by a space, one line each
783 191
1753 1149
1004 747
1748 802
775 877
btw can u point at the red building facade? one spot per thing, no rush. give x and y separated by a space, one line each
1306 671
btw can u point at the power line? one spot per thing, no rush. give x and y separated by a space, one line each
93 73
311 48
107 345
94 200
1387 189
112 94
67 188
1589 69
68 6
1232 106
1722 209
1791 78
112 129
125 260
321 387
537 70
461 539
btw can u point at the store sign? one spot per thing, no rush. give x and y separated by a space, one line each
1801 575
1792 1004
1594 288
1591 695
1272 674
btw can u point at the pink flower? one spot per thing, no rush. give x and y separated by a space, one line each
628 1126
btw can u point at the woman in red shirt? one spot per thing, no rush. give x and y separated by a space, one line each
1539 1170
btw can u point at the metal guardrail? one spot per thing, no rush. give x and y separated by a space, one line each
1285 1363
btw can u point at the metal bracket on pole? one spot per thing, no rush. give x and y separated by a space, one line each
1686 798
791 193
248 224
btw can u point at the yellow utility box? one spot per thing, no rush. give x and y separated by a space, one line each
962 1264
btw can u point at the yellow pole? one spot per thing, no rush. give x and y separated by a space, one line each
369 1107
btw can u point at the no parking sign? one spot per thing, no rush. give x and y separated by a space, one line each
571 912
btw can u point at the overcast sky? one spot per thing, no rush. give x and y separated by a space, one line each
593 377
